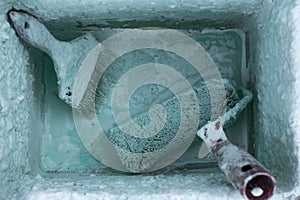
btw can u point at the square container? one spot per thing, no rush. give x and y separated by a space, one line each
254 43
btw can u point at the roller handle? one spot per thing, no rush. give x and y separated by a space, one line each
244 172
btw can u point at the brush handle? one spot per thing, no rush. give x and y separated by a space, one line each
67 56
244 172
34 33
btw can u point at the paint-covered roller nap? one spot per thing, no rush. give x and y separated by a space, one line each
152 148
125 150
136 143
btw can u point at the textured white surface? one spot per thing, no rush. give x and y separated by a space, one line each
90 11
274 70
15 101
135 187
275 46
